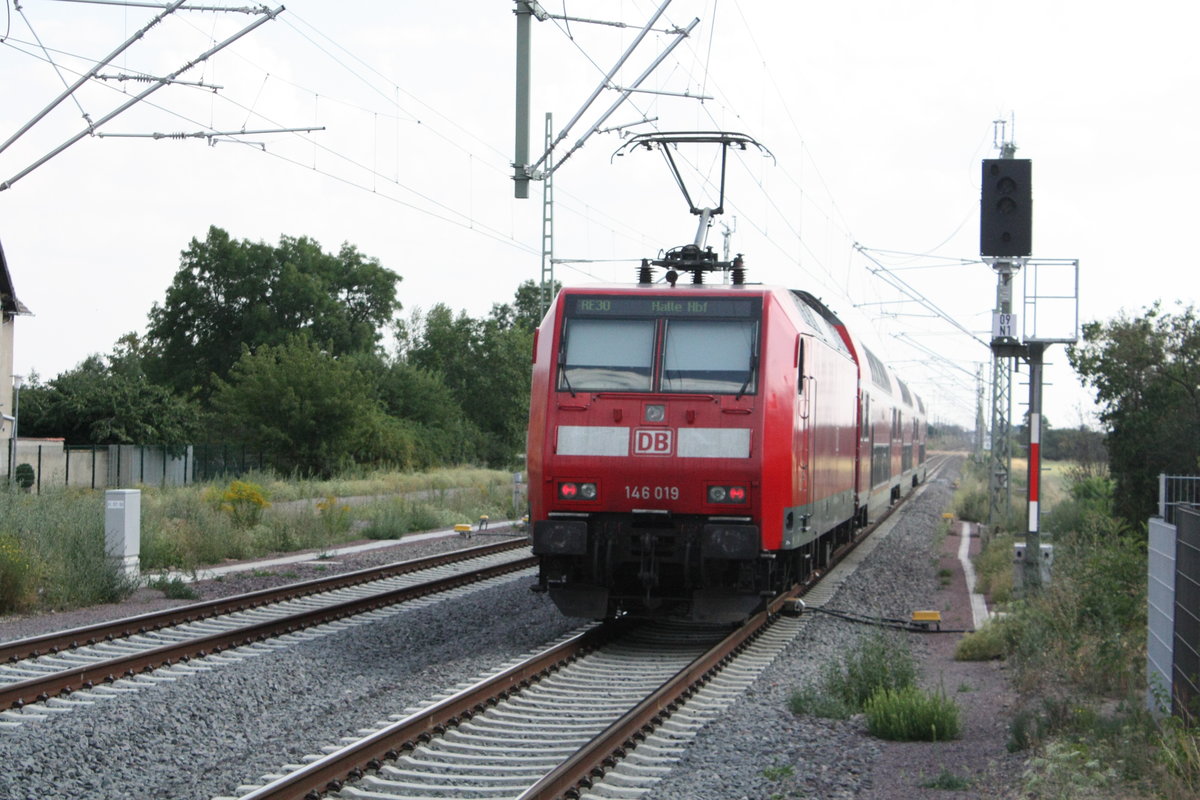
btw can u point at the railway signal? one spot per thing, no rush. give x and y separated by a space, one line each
1006 208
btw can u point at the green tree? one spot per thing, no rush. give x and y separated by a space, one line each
421 401
229 293
107 401
527 304
1145 371
485 365
311 412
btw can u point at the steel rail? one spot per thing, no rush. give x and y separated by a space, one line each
602 753
330 773
16 695
31 647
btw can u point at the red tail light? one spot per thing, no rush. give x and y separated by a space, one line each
726 494
573 490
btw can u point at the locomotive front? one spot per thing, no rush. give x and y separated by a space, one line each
645 448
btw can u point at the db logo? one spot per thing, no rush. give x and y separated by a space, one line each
652 442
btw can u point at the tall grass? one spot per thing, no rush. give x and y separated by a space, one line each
52 545
53 552
911 715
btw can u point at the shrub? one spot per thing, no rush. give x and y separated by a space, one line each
993 640
994 568
244 502
909 714
24 475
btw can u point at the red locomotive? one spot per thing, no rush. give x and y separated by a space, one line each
693 448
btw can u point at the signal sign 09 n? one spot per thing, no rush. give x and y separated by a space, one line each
1006 208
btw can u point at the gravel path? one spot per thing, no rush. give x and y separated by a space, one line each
759 750
203 735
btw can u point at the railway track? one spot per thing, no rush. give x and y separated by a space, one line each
600 714
109 658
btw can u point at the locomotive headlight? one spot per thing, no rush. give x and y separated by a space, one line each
573 490
656 412
726 494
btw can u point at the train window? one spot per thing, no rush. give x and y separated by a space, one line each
710 356
607 355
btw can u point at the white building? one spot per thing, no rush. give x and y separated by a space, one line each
10 309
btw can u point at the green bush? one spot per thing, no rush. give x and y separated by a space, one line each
24 475
993 640
879 660
909 715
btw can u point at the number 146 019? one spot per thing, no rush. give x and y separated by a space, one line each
651 492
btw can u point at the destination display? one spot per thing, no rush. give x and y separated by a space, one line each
662 306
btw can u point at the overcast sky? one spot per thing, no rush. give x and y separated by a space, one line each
878 115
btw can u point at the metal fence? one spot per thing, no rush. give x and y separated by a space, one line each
1185 667
123 466
1174 491
1173 594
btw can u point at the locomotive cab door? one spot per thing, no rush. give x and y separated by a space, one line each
805 389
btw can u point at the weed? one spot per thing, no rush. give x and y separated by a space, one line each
175 588
1067 770
817 702
910 714
1179 749
947 780
334 515
944 575
779 772
879 660
244 502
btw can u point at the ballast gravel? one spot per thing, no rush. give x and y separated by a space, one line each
204 735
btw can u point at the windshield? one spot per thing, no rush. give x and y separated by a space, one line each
659 354
608 355
709 356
